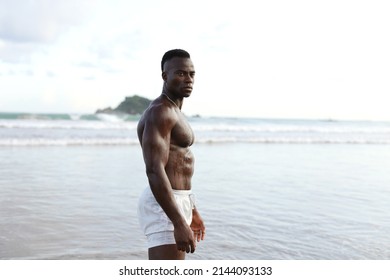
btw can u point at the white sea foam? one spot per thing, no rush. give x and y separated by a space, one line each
298 140
111 117
291 128
134 141
63 124
115 130
68 142
75 117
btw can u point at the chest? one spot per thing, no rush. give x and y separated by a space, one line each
182 134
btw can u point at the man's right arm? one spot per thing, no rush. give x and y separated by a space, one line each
155 147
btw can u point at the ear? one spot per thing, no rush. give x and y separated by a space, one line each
164 76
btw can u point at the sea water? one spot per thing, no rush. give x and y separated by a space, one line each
267 189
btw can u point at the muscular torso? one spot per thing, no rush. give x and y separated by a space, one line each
180 164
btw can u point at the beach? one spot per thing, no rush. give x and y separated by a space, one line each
267 189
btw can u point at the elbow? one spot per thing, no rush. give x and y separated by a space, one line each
154 172
150 172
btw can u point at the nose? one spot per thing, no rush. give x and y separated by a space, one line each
189 78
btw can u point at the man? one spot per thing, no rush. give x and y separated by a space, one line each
166 210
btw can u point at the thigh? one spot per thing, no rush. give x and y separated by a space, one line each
166 252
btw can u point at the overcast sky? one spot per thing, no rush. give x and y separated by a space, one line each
284 59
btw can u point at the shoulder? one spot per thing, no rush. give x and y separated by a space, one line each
160 114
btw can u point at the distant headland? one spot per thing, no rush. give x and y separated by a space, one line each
132 105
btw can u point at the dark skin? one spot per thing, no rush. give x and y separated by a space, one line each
165 138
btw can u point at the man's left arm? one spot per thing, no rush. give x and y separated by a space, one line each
197 225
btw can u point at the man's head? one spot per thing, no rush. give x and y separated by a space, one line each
178 73
171 54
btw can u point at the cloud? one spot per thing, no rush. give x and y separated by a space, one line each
15 52
27 26
39 21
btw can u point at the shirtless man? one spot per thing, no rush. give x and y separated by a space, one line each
166 209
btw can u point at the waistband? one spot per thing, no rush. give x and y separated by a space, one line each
182 192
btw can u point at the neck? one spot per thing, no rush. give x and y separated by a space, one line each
176 101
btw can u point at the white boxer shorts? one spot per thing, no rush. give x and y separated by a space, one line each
155 224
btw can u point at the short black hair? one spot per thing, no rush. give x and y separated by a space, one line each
173 53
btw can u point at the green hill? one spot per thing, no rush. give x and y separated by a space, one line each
133 105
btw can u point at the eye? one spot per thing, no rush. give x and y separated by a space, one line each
180 74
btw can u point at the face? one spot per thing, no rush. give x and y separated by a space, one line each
179 76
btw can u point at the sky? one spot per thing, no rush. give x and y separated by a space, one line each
271 59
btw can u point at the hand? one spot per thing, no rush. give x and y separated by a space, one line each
197 226
184 238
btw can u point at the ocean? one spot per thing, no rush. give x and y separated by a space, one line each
267 188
